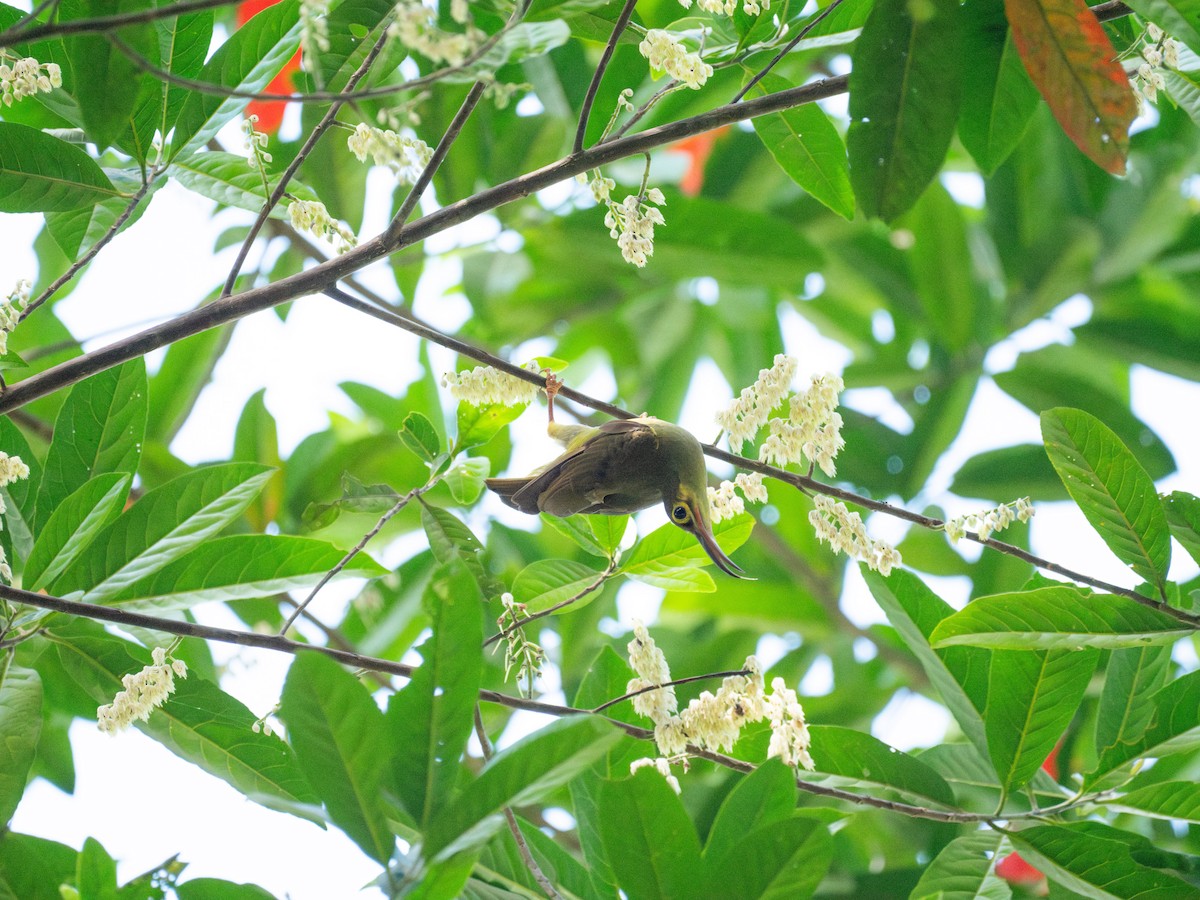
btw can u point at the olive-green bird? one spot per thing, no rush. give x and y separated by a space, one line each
621 467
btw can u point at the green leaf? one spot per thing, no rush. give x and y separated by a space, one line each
1111 488
1073 63
1032 697
958 673
419 436
466 479
1183 516
998 98
905 87
1062 618
1093 866
429 721
547 582
342 746
73 525
220 889
1177 18
966 867
96 872
452 541
185 371
786 859
857 759
1171 800
20 728
1132 678
162 526
238 567
806 145
674 578
78 230
99 430
248 61
34 868
667 552
200 723
766 796
578 529
609 531
649 839
230 180
517 775
1174 728
479 424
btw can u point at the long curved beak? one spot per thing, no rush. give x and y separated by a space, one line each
709 543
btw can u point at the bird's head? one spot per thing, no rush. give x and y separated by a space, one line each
688 509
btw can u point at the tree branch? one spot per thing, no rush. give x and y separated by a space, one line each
598 76
20 35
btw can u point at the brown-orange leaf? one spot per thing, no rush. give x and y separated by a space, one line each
1072 62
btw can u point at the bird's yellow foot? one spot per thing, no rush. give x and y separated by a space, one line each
553 386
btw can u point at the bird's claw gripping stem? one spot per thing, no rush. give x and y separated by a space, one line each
553 386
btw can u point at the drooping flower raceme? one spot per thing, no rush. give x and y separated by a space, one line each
667 54
812 430
143 692
519 652
12 468
631 223
845 532
10 311
415 25
483 385
313 217
711 721
405 156
724 501
988 521
314 32
728 7
256 145
22 77
1158 52
742 419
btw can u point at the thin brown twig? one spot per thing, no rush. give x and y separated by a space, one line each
787 48
654 687
589 98
535 870
541 614
100 24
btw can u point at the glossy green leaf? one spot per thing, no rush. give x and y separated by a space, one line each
73 525
199 723
998 97
96 871
430 719
808 148
785 859
99 430
247 61
342 746
185 371
966 867
479 424
33 868
1073 63
1095 867
669 548
649 839
519 774
220 889
1062 618
1177 18
547 582
904 94
1172 800
453 542
763 797
958 673
1174 728
230 180
1032 697
858 759
1183 516
419 436
466 478
1111 488
577 529
1133 676
238 567
20 728
78 230
162 526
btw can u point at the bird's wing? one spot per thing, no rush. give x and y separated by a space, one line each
580 479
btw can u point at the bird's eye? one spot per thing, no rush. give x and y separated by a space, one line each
681 514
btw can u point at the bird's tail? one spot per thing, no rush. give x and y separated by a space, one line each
507 488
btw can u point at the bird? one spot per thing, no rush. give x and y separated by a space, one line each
619 468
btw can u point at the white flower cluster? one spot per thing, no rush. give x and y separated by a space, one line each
813 429
844 531
483 385
631 222
11 309
22 77
1158 53
144 692
314 32
728 7
11 469
667 54
711 721
600 186
988 521
416 26
313 217
724 502
742 419
405 156
256 145
520 653
789 731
